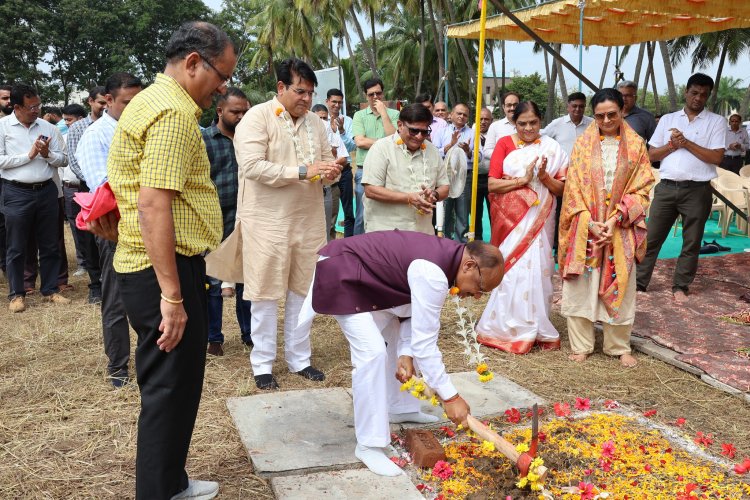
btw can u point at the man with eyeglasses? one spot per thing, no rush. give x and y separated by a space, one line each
31 151
159 172
639 119
504 126
404 176
458 135
370 124
386 290
284 159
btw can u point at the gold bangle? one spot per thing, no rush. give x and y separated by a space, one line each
170 301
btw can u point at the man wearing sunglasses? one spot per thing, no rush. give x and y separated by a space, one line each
386 290
404 176
368 125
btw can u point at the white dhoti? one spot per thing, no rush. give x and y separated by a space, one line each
263 328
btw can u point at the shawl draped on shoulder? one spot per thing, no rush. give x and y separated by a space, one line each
586 200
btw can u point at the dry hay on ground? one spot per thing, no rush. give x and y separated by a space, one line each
65 433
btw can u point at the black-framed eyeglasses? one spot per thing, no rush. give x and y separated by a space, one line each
301 92
611 116
224 79
413 131
375 94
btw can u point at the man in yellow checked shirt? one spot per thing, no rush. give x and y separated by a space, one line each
404 176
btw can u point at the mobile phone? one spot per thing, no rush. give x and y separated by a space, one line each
43 137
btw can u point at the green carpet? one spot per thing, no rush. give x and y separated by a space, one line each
735 239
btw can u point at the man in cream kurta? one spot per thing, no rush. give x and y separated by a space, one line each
280 217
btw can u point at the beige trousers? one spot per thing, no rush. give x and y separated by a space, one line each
581 334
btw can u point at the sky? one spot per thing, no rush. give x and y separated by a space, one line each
521 59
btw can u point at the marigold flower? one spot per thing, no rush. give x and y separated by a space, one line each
423 146
481 368
399 141
488 446
486 378
279 111
454 290
522 447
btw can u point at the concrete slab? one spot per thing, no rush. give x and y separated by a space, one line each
721 385
344 485
665 354
285 432
485 399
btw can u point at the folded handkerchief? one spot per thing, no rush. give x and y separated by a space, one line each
94 205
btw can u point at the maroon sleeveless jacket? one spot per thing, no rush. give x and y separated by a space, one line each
369 272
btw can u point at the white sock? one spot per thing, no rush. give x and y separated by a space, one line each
415 416
376 461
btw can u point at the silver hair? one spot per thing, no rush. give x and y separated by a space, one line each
627 84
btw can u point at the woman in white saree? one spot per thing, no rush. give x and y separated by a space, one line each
527 172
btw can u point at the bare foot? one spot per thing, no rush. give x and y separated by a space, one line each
628 361
578 358
680 296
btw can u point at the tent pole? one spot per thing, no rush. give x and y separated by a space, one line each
477 131
581 5
445 65
504 9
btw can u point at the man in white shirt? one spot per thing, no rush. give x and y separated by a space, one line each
689 143
503 126
737 143
566 129
31 150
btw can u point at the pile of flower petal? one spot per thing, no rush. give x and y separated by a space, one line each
590 454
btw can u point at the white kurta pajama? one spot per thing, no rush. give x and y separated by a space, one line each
280 227
518 309
378 338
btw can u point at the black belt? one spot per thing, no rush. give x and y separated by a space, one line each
733 156
684 184
35 186
69 184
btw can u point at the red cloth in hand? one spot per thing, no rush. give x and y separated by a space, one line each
94 205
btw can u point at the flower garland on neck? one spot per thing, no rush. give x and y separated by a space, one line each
521 143
289 127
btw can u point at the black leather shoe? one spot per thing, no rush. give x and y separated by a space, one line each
266 382
311 373
721 247
119 382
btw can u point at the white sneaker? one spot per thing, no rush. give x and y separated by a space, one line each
80 272
198 490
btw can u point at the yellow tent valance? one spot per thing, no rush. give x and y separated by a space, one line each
614 22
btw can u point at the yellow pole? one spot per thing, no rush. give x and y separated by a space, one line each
478 114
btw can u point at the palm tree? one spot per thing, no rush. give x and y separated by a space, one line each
727 45
729 96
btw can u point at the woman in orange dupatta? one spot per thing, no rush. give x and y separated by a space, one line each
603 230
527 172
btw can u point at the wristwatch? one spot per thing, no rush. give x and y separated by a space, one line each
302 172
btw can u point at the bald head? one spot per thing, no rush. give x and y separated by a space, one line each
481 270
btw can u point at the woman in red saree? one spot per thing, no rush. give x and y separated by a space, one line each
527 172
603 230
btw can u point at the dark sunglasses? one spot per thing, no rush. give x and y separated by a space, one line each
417 131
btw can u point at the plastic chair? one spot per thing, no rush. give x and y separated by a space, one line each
745 171
735 189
